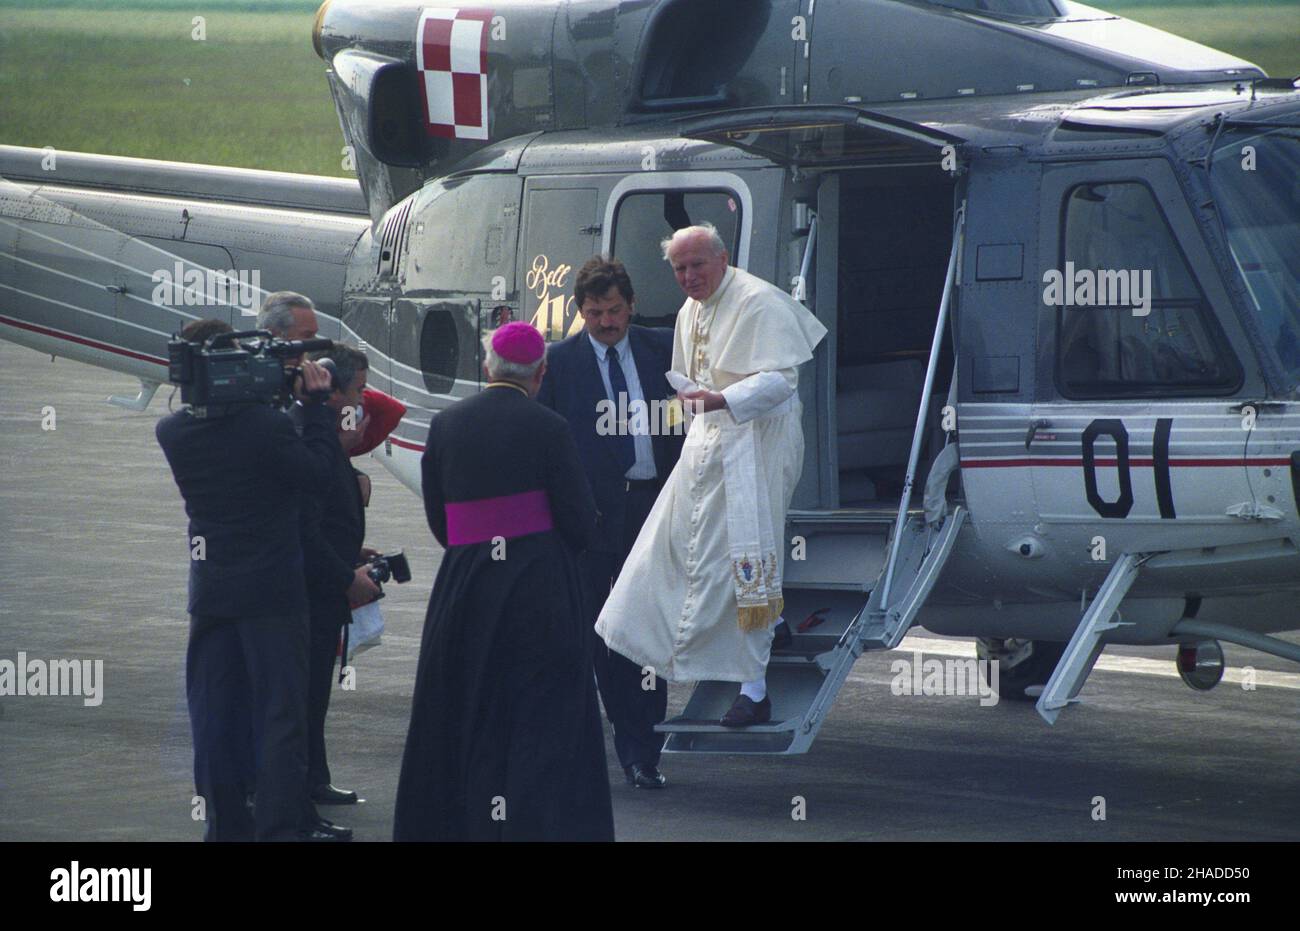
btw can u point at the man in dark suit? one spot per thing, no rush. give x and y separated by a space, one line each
333 530
239 469
615 366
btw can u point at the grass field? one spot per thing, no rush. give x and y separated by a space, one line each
126 77
253 93
1263 33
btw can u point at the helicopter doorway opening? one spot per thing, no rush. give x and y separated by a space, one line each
886 234
885 210
873 264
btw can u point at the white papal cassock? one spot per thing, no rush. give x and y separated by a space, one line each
700 590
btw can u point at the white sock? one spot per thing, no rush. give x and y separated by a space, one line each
755 691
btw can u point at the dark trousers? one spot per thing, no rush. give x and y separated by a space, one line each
633 710
245 677
326 628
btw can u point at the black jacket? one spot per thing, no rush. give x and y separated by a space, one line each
572 387
333 530
241 476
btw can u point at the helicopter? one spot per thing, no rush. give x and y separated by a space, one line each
1057 254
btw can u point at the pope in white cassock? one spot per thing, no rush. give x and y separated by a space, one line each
700 593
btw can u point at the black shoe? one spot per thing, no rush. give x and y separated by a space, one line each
744 712
644 777
782 637
324 831
329 795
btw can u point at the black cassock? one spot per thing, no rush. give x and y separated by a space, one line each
505 741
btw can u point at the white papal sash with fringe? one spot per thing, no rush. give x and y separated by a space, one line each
755 569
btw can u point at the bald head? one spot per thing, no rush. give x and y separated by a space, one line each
698 258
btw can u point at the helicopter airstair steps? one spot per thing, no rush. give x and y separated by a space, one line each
838 625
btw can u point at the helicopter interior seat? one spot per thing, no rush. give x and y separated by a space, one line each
875 410
893 240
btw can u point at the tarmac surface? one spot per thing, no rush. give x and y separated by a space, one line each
93 566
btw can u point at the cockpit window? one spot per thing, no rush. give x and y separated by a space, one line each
1132 321
1255 175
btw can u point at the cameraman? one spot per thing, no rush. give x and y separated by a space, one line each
333 530
239 468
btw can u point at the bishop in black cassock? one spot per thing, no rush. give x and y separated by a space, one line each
505 741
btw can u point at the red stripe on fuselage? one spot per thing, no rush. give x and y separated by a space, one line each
93 344
407 444
1078 463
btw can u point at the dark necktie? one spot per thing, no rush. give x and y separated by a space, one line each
625 447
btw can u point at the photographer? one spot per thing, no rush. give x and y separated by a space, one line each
333 530
239 467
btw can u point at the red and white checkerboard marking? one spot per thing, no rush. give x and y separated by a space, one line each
451 53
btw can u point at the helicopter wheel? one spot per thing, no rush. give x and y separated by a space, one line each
1024 666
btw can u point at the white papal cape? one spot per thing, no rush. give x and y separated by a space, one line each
675 605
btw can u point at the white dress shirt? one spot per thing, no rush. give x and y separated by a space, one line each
638 421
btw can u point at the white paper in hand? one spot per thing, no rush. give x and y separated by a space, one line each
681 411
680 383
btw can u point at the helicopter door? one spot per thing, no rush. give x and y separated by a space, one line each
1145 426
561 231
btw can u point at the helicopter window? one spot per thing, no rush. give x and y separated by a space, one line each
1131 319
696 50
642 219
440 350
1255 175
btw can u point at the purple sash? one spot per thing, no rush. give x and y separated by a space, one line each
506 516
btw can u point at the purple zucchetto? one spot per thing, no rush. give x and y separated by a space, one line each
518 342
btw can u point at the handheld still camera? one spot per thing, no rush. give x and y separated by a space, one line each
389 566
237 368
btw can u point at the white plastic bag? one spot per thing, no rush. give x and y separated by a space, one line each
366 629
